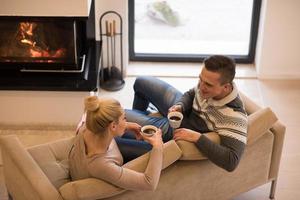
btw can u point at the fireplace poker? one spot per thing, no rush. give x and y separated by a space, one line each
107 45
114 43
111 46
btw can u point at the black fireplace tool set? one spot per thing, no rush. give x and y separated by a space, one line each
111 69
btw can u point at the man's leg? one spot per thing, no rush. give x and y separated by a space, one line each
143 119
152 90
131 148
161 95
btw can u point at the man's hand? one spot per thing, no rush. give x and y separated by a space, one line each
135 128
175 108
186 134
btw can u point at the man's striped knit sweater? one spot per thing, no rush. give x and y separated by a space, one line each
227 117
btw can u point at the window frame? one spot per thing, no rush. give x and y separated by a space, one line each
249 58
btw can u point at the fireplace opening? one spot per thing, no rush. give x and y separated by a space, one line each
41 44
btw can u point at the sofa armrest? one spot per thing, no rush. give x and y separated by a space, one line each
278 129
92 188
259 123
191 152
23 176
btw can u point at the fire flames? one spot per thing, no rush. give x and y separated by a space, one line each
31 39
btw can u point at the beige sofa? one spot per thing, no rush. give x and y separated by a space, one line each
41 172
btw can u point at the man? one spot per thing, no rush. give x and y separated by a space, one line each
213 105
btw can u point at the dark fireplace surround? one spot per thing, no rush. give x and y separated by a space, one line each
49 53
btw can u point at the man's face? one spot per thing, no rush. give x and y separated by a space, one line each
210 86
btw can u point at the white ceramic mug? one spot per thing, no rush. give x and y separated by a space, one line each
148 130
175 119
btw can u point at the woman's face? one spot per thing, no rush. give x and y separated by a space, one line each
121 125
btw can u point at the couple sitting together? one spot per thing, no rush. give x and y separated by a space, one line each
105 140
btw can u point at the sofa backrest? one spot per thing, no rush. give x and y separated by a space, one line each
260 120
53 160
250 105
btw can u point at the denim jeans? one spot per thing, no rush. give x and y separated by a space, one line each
131 148
160 94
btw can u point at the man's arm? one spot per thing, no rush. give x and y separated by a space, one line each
226 155
186 101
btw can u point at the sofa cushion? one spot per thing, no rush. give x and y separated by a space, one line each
259 122
53 160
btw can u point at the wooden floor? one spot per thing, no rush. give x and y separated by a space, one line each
281 95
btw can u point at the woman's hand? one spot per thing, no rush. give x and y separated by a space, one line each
135 128
155 140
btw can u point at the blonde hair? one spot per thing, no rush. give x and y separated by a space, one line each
101 112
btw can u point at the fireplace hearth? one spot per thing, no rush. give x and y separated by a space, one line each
49 53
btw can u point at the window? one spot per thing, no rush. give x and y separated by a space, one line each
178 30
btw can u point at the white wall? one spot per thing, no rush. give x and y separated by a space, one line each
41 107
278 50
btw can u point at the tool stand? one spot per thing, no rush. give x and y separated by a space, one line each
111 69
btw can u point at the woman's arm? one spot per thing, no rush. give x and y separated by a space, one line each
129 179
107 168
81 122
135 128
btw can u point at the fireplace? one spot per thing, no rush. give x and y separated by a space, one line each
49 52
39 43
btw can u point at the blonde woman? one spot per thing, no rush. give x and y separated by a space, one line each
96 154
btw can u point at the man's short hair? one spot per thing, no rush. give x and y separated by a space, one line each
223 65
